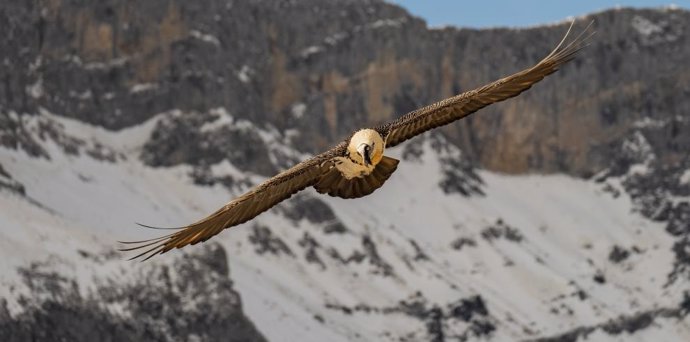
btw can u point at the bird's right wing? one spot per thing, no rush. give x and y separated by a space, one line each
459 106
243 208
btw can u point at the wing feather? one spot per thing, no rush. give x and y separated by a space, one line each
243 208
459 106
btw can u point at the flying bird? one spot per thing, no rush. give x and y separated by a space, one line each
357 166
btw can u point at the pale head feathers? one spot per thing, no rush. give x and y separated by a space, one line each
369 137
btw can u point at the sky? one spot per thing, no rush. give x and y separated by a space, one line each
492 13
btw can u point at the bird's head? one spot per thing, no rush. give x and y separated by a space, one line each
366 147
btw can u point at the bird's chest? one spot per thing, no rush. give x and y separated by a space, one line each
350 169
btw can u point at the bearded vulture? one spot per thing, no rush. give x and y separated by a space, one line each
356 167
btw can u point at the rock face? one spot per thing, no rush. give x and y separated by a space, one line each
345 65
190 299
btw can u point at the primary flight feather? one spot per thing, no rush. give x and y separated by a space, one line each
356 167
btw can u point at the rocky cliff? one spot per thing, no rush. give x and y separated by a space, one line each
325 68
189 299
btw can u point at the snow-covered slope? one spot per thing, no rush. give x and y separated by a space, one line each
440 252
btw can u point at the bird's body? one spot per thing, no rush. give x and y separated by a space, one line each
357 166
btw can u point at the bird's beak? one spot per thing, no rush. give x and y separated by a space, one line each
365 151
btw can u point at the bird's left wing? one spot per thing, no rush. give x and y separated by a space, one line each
459 106
243 208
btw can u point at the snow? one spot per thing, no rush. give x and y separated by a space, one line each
639 169
665 329
637 146
35 90
225 168
649 122
685 178
276 142
223 118
127 141
310 50
298 110
388 23
204 37
569 226
644 26
245 73
113 63
142 87
335 38
35 65
85 95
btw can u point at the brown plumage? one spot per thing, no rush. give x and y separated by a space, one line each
356 167
334 184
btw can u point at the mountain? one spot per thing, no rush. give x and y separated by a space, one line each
560 215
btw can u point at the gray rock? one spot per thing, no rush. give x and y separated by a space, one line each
199 303
347 64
